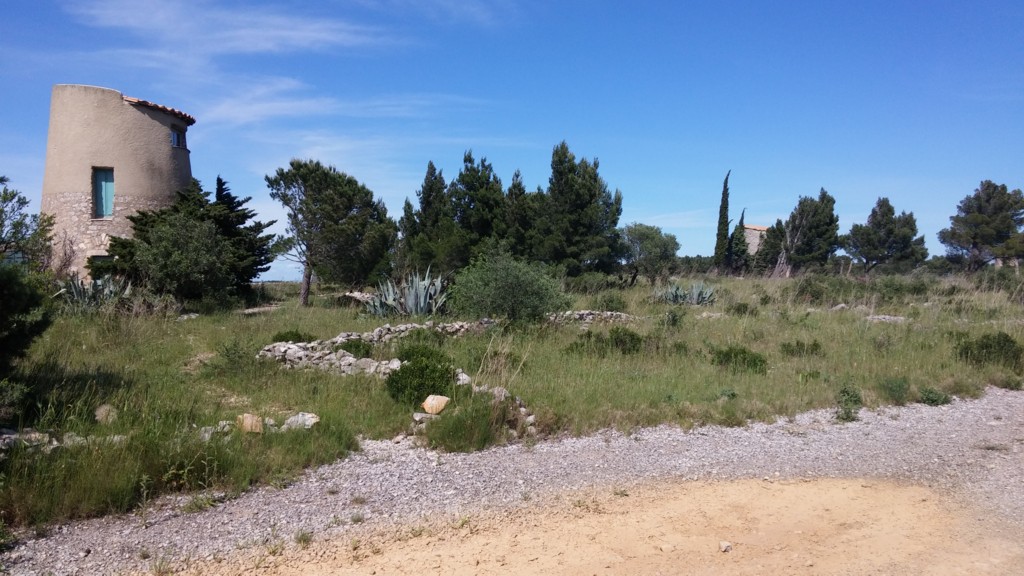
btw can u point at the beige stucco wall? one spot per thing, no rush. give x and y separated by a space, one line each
97 127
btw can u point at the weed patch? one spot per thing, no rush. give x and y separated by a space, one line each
739 359
849 402
293 336
933 397
358 348
895 390
999 348
471 425
800 348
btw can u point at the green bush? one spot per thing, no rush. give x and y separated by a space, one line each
23 315
293 336
625 340
610 302
933 397
739 359
849 400
416 352
358 348
999 348
501 286
471 425
618 338
896 390
589 283
800 348
419 378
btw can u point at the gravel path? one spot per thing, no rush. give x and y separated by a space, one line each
973 448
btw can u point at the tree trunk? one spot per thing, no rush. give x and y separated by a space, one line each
307 279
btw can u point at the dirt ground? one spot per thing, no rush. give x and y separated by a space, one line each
833 527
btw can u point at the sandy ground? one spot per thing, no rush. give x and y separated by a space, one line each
819 527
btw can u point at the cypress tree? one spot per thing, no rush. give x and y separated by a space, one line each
722 240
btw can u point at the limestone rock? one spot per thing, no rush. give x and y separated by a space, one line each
302 420
434 404
725 546
249 423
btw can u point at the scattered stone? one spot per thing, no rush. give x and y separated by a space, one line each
189 316
711 315
422 417
590 316
72 440
434 403
302 420
500 394
249 423
725 546
667 548
106 414
886 318
839 307
461 378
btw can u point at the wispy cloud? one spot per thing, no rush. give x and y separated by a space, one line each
261 99
485 13
200 27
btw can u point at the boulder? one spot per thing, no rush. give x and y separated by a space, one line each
249 423
300 421
434 404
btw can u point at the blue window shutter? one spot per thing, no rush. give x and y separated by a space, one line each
103 192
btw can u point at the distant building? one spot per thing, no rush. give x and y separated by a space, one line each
109 156
754 236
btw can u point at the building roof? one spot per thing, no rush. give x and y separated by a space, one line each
189 120
755 227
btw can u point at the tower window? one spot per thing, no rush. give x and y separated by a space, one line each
102 192
178 138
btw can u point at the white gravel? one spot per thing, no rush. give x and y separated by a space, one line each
973 448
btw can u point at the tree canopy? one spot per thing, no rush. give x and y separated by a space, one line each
986 226
886 238
335 227
25 237
812 234
649 251
198 247
578 217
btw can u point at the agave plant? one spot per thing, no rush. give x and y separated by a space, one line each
414 296
699 294
87 296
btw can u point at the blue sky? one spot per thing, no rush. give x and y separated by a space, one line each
915 101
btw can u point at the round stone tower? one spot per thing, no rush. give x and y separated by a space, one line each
109 156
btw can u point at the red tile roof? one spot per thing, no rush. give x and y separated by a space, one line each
189 120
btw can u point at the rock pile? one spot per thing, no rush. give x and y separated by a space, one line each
521 419
252 424
590 316
327 354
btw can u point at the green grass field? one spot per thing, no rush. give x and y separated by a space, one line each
691 366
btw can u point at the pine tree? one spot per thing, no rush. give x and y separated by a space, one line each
336 227
578 217
243 249
739 254
886 238
984 222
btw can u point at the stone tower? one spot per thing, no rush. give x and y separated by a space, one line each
109 156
